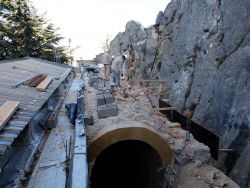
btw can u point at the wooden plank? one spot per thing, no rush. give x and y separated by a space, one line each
121 99
152 81
44 84
159 94
166 108
174 125
151 88
226 150
6 112
158 113
165 100
35 81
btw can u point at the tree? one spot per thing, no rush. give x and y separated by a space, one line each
6 47
106 44
26 33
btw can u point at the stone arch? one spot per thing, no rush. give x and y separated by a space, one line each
129 130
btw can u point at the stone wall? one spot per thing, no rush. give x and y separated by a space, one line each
201 48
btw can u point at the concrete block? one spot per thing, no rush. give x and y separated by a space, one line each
92 80
100 100
99 92
101 84
107 86
112 109
52 121
112 87
88 118
95 85
102 111
107 110
108 98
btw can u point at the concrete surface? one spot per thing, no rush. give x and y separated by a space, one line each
49 171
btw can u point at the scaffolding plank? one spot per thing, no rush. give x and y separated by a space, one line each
6 112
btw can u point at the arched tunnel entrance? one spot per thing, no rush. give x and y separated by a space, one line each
131 163
128 154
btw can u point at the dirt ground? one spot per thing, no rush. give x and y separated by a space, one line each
205 176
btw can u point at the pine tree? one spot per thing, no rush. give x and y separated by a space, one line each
23 32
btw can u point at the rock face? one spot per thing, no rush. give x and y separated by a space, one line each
202 50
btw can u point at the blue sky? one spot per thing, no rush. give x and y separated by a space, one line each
88 22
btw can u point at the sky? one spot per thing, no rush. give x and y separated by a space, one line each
88 22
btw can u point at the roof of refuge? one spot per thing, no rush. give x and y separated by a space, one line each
31 101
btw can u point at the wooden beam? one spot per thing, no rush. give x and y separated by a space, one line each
151 88
159 94
35 81
6 112
226 150
152 81
174 125
158 113
121 99
44 84
166 108
165 100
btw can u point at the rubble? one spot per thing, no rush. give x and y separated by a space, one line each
137 107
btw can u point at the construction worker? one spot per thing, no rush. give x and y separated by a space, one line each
116 68
106 60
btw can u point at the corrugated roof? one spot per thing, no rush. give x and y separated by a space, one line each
31 101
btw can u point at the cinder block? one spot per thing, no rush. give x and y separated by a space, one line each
52 121
112 87
107 110
102 111
107 86
95 85
88 118
100 100
108 98
90 73
99 92
101 84
92 80
112 109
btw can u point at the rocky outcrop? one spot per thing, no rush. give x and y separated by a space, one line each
202 50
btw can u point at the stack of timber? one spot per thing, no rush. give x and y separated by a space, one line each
36 80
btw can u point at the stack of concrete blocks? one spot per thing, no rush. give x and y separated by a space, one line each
106 106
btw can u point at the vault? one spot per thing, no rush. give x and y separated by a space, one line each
129 130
